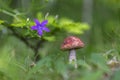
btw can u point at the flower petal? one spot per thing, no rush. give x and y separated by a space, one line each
40 32
46 29
44 22
37 22
34 28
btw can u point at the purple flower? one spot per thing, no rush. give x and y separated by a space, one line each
40 27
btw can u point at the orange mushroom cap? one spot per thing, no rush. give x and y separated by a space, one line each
72 42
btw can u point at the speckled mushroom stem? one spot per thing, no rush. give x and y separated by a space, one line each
72 57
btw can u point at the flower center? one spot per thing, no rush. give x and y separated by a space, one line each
39 27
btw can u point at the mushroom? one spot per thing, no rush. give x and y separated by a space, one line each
72 43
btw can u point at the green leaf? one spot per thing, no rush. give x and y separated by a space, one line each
60 66
100 61
19 24
92 75
116 75
50 38
22 23
73 27
40 16
51 19
1 21
83 64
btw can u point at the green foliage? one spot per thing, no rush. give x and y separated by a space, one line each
72 27
93 75
18 43
50 38
116 75
1 21
52 66
100 61
64 24
113 3
55 25
46 68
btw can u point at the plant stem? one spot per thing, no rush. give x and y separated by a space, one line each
72 57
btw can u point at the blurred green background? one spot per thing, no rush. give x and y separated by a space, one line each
99 22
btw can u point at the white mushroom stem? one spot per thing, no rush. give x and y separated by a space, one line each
72 57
